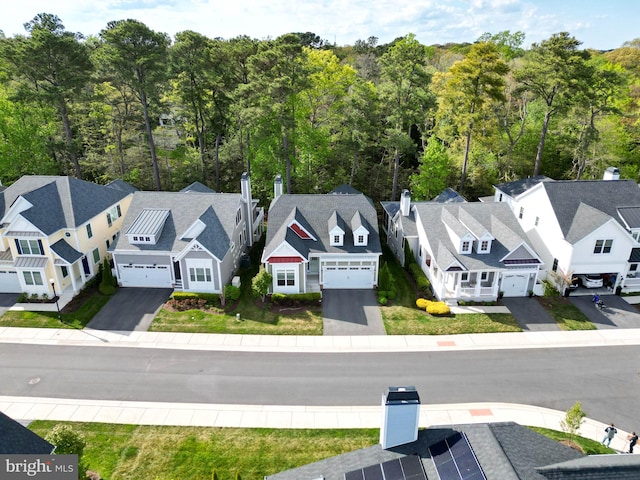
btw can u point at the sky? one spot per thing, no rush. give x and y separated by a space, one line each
598 24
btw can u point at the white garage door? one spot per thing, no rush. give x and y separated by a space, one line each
145 276
348 277
514 285
9 282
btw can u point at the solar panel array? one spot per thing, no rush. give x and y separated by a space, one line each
404 468
454 459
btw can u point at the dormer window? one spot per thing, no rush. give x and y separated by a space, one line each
465 247
336 240
484 245
147 227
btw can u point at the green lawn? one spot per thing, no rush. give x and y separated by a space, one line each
75 315
588 446
411 321
566 315
194 453
253 320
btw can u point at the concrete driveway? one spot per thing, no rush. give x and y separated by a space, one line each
7 300
529 314
130 309
617 313
351 312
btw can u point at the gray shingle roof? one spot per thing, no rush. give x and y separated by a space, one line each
515 188
449 195
60 202
198 187
16 439
603 195
505 451
216 210
344 189
313 212
496 218
66 251
594 467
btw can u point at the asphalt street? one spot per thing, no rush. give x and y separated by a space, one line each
605 379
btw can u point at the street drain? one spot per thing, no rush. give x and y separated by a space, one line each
34 380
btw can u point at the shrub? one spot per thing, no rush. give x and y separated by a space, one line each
438 308
66 440
182 304
278 298
107 284
183 295
295 298
212 299
422 303
231 293
261 283
382 300
384 277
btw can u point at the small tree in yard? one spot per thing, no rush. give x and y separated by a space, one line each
573 419
108 283
66 440
260 283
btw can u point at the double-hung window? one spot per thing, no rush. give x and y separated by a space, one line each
32 278
89 231
602 246
29 247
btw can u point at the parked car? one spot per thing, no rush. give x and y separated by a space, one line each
587 281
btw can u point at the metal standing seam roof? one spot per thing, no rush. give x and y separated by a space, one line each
630 216
31 262
149 222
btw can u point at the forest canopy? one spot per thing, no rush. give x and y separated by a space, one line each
163 112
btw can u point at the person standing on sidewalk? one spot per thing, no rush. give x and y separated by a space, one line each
610 433
633 439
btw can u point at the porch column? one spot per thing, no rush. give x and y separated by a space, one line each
74 286
478 287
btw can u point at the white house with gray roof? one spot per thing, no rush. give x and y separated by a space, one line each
473 251
581 227
321 241
55 231
191 240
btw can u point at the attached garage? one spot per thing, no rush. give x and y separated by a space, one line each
9 282
136 275
515 285
354 275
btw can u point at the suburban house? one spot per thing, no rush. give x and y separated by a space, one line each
55 232
399 223
17 439
469 251
585 227
317 241
191 240
491 451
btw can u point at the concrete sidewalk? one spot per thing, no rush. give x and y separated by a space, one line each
319 344
280 416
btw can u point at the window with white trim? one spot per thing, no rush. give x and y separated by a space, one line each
336 239
200 274
484 276
65 271
537 221
96 255
32 278
464 276
603 246
466 246
89 231
286 278
238 216
484 246
29 247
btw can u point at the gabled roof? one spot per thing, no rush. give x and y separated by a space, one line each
60 202
119 184
197 187
606 196
515 188
344 189
216 210
66 251
313 212
18 440
449 195
496 218
505 451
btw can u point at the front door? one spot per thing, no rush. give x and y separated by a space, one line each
85 266
176 270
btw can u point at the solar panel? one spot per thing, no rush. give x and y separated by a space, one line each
454 459
392 470
404 468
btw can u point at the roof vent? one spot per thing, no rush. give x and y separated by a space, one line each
611 173
401 415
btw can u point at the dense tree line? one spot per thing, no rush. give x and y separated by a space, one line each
161 113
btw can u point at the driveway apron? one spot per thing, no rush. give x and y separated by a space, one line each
351 312
617 313
530 315
130 309
7 300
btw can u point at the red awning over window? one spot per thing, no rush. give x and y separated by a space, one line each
285 260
